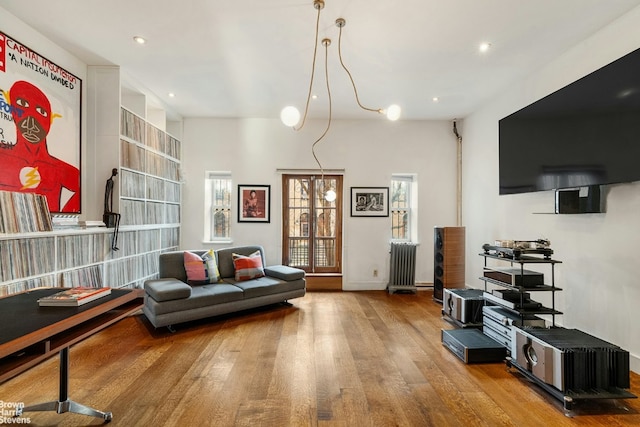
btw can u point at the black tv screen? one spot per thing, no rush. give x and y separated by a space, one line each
587 133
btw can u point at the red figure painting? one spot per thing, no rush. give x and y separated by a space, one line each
27 165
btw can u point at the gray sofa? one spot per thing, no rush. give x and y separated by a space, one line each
169 300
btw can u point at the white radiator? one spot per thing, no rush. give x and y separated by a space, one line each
402 274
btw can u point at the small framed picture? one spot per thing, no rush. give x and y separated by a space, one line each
254 203
369 201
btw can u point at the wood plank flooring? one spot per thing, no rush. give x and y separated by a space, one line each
330 359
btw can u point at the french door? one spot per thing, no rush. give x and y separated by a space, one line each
312 224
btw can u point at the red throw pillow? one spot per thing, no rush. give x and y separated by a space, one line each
248 267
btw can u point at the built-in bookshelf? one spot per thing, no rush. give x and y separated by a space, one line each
83 257
150 173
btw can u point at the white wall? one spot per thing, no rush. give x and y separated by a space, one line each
369 151
599 274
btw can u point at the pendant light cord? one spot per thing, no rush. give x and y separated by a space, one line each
341 23
325 43
319 7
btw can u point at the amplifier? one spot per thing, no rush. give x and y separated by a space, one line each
496 335
569 359
472 346
463 305
514 305
508 318
511 295
498 323
515 276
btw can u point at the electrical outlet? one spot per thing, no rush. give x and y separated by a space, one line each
375 273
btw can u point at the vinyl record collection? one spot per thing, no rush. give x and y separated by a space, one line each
83 258
155 138
132 271
170 237
80 249
24 213
26 257
88 276
137 158
150 173
172 192
173 147
132 184
132 156
48 281
155 188
131 125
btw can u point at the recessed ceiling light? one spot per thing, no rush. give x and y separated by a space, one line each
435 99
172 95
484 47
314 96
139 39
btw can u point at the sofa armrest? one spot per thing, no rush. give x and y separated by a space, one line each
167 289
284 272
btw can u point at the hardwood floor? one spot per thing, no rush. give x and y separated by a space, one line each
332 358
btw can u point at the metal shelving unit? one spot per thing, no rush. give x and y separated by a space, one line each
537 360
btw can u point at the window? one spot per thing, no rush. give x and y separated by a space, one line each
217 196
403 189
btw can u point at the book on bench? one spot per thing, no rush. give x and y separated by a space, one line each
74 297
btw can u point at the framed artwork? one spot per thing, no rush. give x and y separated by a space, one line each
40 112
369 201
254 203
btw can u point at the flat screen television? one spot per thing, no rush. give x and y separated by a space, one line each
585 134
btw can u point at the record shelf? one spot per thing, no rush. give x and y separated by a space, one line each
74 257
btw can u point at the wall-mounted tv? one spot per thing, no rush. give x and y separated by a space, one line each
587 133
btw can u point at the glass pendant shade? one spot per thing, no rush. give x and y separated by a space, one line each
330 196
290 116
393 112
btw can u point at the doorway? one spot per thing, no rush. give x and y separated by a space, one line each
312 225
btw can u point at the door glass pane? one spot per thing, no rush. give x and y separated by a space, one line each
299 222
324 247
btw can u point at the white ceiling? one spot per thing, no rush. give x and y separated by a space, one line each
250 58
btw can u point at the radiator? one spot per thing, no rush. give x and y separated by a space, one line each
402 272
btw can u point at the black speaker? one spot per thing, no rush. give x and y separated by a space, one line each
567 201
579 200
448 260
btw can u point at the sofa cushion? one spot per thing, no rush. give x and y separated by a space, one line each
167 289
248 267
201 296
201 269
284 272
266 286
